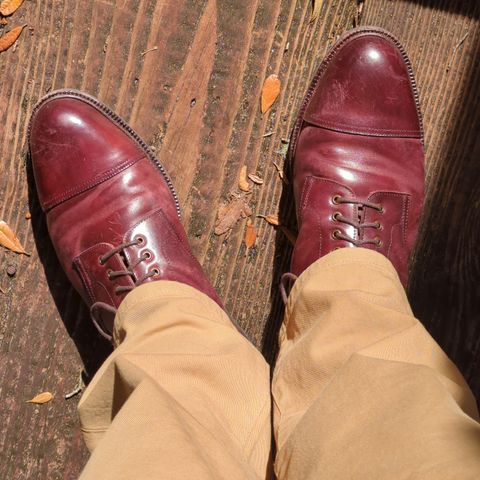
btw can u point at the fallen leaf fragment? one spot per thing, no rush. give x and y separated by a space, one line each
28 216
7 7
41 398
250 234
271 219
360 7
281 173
7 40
230 213
3 21
358 15
255 179
270 92
9 240
243 184
316 7
292 238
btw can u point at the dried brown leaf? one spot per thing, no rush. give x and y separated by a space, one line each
41 398
230 213
7 40
250 234
316 7
9 240
271 219
255 179
28 216
243 184
7 7
292 238
270 92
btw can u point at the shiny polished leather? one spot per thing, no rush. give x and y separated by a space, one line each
101 188
359 137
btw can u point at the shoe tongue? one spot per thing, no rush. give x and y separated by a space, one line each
360 213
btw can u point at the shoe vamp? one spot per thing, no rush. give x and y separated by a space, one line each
365 164
106 212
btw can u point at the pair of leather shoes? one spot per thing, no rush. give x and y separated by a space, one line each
356 157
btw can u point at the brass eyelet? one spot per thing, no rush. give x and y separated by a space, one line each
378 242
140 240
335 234
336 199
378 225
381 209
335 216
147 255
156 271
109 274
100 260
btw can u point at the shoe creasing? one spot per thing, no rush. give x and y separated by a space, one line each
100 178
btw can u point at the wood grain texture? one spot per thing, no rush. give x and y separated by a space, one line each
196 100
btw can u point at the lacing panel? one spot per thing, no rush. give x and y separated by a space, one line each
288 279
356 222
120 289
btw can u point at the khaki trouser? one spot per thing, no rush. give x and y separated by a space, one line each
360 389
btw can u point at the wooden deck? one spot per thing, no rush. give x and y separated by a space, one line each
195 98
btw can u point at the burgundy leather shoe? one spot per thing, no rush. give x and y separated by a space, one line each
356 153
112 212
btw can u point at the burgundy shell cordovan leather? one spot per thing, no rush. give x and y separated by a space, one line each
101 187
357 153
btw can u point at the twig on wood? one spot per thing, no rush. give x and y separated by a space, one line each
80 386
455 50
265 135
149 50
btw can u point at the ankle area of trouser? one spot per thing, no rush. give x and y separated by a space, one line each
350 301
179 340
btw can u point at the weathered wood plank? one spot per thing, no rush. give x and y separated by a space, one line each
196 100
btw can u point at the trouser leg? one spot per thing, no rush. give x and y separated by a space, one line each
184 394
361 390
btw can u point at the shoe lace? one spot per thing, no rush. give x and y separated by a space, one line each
286 283
288 279
356 222
128 271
